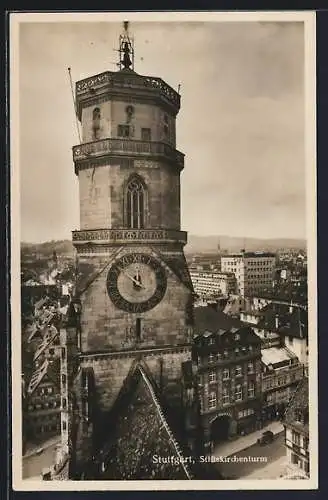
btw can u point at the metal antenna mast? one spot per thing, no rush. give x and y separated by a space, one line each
75 110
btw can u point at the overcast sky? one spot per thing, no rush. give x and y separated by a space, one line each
241 122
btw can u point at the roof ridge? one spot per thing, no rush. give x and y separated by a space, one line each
164 421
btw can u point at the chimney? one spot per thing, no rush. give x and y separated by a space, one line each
277 321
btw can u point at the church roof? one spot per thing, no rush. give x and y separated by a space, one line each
140 435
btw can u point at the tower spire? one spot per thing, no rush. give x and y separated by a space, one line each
126 50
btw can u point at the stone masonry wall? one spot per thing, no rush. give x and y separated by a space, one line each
105 328
102 195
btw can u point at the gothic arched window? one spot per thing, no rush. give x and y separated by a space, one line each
135 203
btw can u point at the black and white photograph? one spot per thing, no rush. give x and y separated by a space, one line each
163 231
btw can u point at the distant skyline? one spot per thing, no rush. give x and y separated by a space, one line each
241 123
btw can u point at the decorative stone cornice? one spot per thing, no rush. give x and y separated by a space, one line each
119 236
121 84
125 148
154 351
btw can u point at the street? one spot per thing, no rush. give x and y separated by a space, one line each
274 452
33 465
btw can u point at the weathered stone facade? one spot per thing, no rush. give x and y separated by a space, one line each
110 338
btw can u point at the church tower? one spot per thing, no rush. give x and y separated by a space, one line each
133 283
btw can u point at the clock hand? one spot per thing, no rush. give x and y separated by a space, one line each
132 278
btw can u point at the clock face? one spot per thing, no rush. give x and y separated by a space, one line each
136 282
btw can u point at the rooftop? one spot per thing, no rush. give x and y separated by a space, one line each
207 318
286 319
139 430
276 355
249 255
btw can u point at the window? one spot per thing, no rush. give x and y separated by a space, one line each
239 371
250 367
135 204
212 400
226 374
63 377
64 403
211 358
123 130
145 134
50 390
212 377
95 123
245 413
296 438
294 459
64 425
251 390
225 396
238 393
138 329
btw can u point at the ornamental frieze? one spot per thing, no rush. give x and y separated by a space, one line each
128 235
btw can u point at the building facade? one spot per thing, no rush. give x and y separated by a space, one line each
296 423
281 374
134 292
228 364
213 284
254 271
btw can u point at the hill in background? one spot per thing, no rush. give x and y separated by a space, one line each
196 244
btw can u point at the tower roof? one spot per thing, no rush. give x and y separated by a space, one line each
140 431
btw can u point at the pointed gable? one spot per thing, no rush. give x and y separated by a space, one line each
140 432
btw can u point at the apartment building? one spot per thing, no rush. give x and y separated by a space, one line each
254 271
296 423
213 284
281 373
227 356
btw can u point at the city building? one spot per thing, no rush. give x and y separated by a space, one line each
41 372
134 294
290 322
254 271
281 373
213 284
227 356
296 423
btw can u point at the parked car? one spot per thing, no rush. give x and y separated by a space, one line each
266 438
